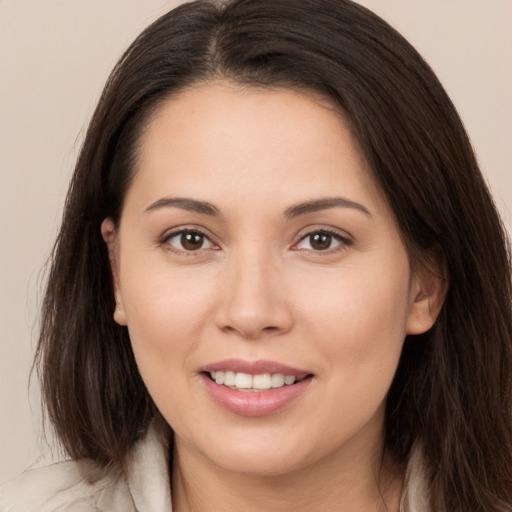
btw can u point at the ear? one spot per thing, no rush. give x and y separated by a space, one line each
108 232
428 291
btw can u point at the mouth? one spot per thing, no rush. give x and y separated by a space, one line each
245 382
254 388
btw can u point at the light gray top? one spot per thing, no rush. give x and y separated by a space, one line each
62 487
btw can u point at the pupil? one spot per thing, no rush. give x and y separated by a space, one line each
321 241
191 241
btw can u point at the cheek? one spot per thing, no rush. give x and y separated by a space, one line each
164 321
165 311
360 318
357 324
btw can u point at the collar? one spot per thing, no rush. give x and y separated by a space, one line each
148 474
415 497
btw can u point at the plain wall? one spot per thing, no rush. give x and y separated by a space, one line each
54 58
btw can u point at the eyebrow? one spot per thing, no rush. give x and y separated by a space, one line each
324 204
205 208
190 205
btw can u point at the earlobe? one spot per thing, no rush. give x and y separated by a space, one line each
428 293
119 315
108 232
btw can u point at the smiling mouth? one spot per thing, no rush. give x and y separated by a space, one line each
246 382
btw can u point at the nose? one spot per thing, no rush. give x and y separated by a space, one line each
255 303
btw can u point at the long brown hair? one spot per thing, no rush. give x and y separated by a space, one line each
452 393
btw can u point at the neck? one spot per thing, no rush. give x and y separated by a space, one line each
372 483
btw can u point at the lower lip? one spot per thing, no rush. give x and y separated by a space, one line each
255 403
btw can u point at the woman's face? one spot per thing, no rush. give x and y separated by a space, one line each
254 249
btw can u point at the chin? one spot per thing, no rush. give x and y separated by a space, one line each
255 452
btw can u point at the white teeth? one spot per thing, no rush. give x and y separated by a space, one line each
247 382
243 381
289 380
277 380
263 381
229 379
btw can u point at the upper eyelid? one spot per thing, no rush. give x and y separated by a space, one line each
309 230
328 231
343 240
170 233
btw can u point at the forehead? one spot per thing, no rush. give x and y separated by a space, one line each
247 138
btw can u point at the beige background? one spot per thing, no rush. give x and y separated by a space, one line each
55 56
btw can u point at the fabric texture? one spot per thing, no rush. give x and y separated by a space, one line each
62 487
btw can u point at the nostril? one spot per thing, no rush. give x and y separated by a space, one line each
250 332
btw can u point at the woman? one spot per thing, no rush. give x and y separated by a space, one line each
310 286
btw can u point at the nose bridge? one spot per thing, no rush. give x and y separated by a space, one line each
254 304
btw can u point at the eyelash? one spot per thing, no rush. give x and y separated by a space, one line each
343 242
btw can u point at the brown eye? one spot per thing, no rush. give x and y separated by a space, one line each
192 241
188 241
321 241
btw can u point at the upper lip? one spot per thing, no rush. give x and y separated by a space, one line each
254 367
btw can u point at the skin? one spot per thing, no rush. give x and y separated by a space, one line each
258 288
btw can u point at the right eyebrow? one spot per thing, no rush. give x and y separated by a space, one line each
324 204
191 205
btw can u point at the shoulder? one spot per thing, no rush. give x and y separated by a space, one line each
83 487
62 487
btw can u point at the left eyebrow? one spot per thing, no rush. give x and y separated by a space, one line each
190 205
324 204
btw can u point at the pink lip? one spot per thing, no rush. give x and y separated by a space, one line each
254 403
254 367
